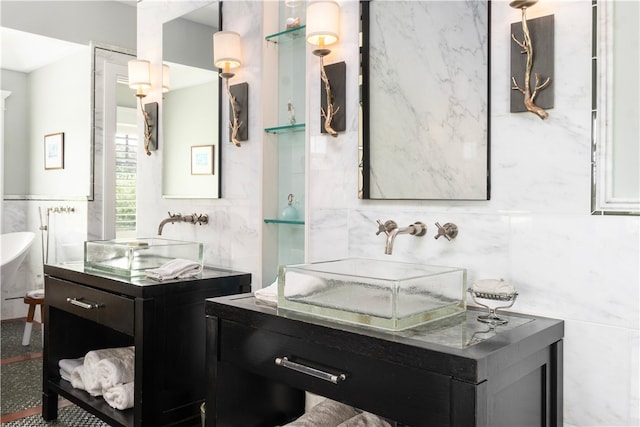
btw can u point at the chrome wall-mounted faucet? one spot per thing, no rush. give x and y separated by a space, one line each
193 219
390 228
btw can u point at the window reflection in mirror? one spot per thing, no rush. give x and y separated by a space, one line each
190 109
425 100
616 146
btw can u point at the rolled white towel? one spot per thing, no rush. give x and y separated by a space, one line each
113 371
77 378
492 286
92 358
175 269
120 396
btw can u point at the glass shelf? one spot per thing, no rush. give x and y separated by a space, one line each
283 221
285 128
288 34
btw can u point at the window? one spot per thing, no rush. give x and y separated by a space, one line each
126 166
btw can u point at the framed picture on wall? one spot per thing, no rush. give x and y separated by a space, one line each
54 151
202 160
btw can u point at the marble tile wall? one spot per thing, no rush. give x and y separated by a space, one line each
536 230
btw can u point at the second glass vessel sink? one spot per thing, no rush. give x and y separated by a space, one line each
131 257
381 294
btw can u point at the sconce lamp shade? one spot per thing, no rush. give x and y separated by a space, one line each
227 50
323 23
166 78
139 75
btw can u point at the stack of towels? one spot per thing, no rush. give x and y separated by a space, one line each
107 372
175 269
329 413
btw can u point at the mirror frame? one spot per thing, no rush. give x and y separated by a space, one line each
603 201
365 111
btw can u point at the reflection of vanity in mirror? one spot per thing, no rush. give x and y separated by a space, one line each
190 108
425 100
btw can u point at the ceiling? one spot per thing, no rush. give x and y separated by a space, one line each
26 52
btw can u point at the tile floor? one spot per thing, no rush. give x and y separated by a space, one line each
21 383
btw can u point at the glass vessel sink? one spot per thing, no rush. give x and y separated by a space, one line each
381 294
131 257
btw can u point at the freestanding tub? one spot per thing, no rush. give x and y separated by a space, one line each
13 249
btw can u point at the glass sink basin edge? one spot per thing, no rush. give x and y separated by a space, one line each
380 294
131 257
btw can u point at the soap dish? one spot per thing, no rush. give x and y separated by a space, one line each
492 316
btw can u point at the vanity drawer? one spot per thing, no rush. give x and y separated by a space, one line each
371 384
111 310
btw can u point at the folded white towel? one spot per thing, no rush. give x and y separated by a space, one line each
68 365
113 371
175 269
268 294
65 375
299 284
365 419
492 286
38 293
326 413
120 396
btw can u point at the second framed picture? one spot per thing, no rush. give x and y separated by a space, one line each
202 160
54 151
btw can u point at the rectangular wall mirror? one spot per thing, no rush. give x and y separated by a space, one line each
616 146
425 100
191 106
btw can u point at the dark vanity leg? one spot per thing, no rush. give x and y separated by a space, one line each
557 391
49 397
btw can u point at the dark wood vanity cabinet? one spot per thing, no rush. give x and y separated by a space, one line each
165 321
454 372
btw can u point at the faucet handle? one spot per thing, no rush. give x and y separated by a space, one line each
386 227
449 231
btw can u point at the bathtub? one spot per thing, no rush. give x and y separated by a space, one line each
13 249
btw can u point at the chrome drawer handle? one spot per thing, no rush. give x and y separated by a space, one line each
82 304
286 363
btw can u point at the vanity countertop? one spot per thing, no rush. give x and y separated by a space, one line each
141 285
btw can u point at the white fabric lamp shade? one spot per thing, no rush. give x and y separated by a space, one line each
139 74
166 78
323 23
227 50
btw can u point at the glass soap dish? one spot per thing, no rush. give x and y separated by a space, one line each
131 257
381 294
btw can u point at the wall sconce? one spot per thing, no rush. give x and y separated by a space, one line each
543 29
227 54
323 29
140 80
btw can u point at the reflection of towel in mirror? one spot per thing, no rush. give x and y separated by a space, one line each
298 284
120 396
113 371
175 269
326 413
67 366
